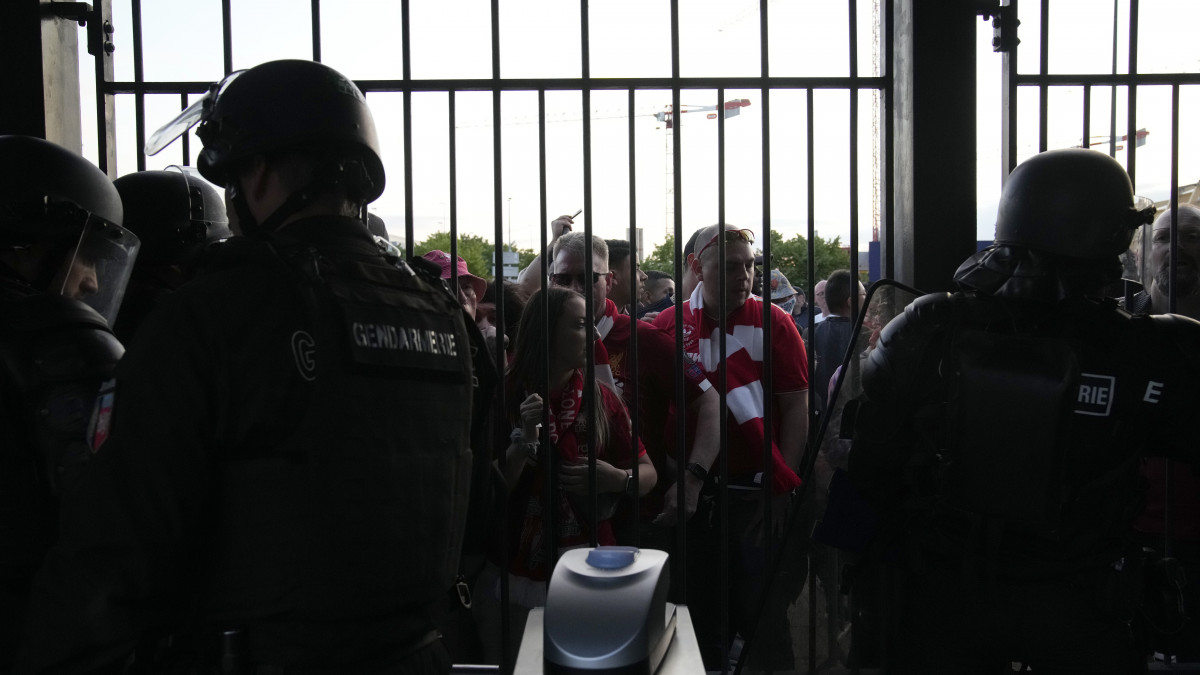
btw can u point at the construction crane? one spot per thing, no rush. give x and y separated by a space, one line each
666 118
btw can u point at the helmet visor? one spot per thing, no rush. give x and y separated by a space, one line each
190 117
97 269
1134 259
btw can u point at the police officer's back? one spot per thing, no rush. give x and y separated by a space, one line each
61 246
1001 431
285 483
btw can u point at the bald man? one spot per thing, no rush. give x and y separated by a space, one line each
743 357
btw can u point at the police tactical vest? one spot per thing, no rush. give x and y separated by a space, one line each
1027 458
359 512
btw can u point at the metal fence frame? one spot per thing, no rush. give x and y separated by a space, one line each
107 89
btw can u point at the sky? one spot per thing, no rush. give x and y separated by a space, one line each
631 38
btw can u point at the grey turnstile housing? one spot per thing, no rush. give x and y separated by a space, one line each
607 611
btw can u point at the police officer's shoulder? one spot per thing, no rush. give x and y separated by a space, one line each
1181 330
235 252
926 314
907 339
429 270
233 271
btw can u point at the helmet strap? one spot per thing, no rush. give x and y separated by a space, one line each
246 221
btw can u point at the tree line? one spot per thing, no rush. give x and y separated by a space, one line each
790 257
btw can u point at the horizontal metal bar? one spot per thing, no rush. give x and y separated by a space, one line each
534 84
1105 79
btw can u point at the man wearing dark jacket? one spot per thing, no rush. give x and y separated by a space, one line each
64 259
1001 429
275 495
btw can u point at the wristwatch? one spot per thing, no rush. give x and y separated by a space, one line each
630 484
697 471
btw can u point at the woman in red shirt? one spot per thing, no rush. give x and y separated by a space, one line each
561 377
571 336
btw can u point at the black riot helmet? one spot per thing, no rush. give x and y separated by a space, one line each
1074 203
278 106
173 212
60 225
47 191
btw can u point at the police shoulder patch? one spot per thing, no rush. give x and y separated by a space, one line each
101 419
1094 395
380 336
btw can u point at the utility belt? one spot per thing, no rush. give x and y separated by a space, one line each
228 653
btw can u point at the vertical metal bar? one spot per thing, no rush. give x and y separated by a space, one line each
507 658
681 569
854 244
1008 102
139 76
1168 465
106 141
185 139
725 633
768 377
1044 68
1087 116
633 370
316 30
810 160
227 35
1174 198
1131 117
543 207
589 399
889 222
454 211
548 457
1112 119
406 75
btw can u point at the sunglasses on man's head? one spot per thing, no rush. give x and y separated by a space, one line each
559 279
730 236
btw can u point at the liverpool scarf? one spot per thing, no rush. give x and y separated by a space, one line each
603 327
529 550
743 375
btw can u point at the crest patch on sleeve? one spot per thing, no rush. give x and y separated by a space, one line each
98 427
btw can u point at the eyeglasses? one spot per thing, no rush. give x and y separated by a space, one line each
730 236
566 279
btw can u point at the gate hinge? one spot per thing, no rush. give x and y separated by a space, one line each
1004 25
99 31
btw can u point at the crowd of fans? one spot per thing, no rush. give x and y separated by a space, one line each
319 457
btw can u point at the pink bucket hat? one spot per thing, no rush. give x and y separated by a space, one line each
443 259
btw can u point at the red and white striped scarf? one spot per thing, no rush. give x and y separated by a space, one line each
743 373
528 549
603 327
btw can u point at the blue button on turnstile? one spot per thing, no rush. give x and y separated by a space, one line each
612 557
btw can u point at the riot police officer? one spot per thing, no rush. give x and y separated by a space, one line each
176 214
285 483
1001 429
61 246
